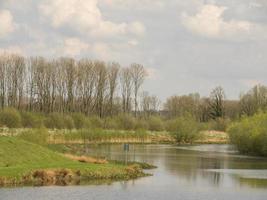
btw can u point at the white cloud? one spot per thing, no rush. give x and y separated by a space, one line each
136 4
250 82
12 50
255 5
102 51
137 28
133 42
85 17
209 22
74 47
6 23
152 73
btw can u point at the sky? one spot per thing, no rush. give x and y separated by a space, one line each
186 45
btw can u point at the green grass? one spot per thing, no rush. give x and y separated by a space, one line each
19 158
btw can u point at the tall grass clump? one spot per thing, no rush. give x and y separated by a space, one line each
96 122
32 120
126 122
55 121
68 122
110 123
37 136
141 124
155 124
250 134
80 121
101 135
10 118
219 124
184 129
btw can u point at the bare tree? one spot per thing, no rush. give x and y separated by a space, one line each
66 85
138 75
3 84
126 89
15 80
217 98
101 77
149 104
86 82
113 72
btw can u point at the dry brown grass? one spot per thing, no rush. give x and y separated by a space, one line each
86 159
213 137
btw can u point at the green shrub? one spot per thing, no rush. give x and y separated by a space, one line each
80 121
170 125
125 122
250 134
141 124
37 136
31 120
55 121
96 122
220 124
185 130
110 123
68 122
155 124
10 118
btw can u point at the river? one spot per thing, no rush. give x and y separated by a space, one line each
199 172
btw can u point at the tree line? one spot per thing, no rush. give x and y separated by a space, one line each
216 106
94 87
67 85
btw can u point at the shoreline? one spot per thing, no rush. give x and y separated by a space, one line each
24 163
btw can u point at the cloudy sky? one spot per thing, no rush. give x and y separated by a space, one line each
186 45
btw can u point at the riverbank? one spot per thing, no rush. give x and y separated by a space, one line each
24 163
213 137
117 136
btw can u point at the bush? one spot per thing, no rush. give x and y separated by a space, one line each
126 122
250 134
155 124
219 124
31 120
10 118
186 130
68 122
110 123
141 124
55 121
80 121
96 122
170 125
37 136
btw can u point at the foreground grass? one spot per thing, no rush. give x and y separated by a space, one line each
22 162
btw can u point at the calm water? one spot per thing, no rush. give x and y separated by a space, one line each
206 172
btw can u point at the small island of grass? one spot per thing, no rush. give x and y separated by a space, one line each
25 163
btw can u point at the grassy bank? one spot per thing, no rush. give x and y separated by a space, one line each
22 162
213 137
110 136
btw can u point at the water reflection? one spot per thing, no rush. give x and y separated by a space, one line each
197 165
203 172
